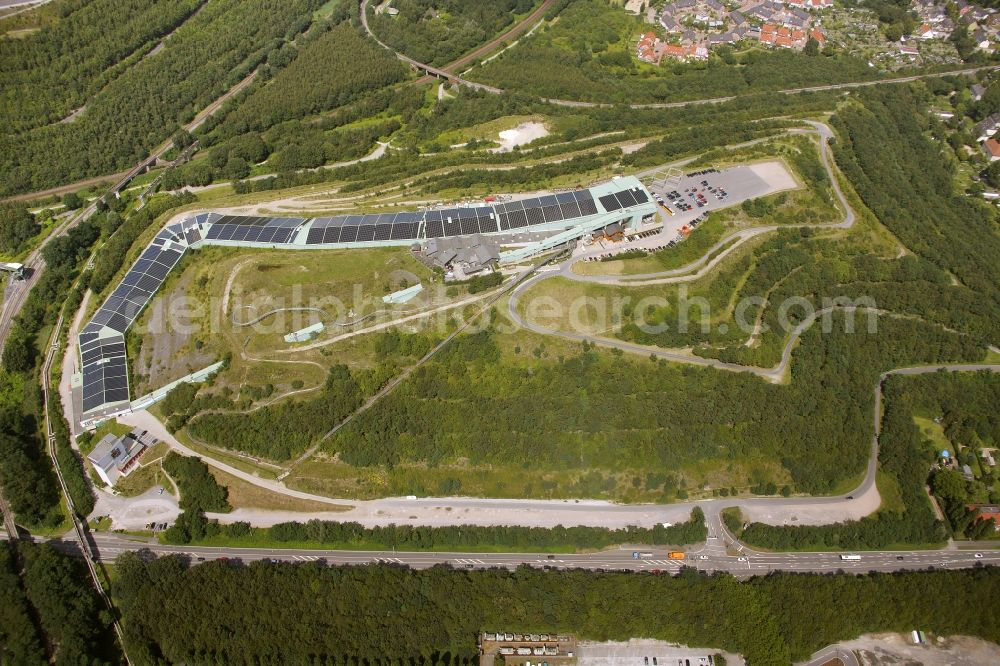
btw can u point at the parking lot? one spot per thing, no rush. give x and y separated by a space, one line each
700 192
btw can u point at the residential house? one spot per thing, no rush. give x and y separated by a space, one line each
992 149
986 127
925 31
977 90
987 512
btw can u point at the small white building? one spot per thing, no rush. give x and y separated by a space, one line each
114 457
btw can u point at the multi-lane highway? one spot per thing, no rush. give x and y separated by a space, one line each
713 555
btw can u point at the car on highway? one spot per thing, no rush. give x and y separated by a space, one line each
978 556
899 557
742 559
703 557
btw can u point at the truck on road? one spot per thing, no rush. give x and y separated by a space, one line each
852 558
675 555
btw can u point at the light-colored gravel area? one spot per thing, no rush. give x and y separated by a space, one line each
897 650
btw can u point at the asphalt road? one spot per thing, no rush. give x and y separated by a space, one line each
710 557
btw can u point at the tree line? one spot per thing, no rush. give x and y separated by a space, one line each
351 535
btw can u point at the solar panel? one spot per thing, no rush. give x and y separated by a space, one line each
588 207
404 230
548 200
469 226
348 234
518 219
434 229
268 234
570 210
552 213
504 221
383 231
534 216
565 197
609 202
640 195
625 198
366 233
488 225
315 236
283 236
331 234
452 227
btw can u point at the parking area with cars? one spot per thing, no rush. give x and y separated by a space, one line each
687 201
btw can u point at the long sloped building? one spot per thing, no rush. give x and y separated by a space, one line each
551 220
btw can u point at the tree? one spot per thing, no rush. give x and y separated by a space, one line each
16 226
812 47
949 485
72 201
992 174
236 168
182 139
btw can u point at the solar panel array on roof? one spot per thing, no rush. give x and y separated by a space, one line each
105 379
623 199
102 351
270 230
364 228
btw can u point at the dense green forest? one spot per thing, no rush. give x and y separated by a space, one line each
330 71
587 55
50 613
905 460
143 105
47 74
17 226
439 31
381 615
899 172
